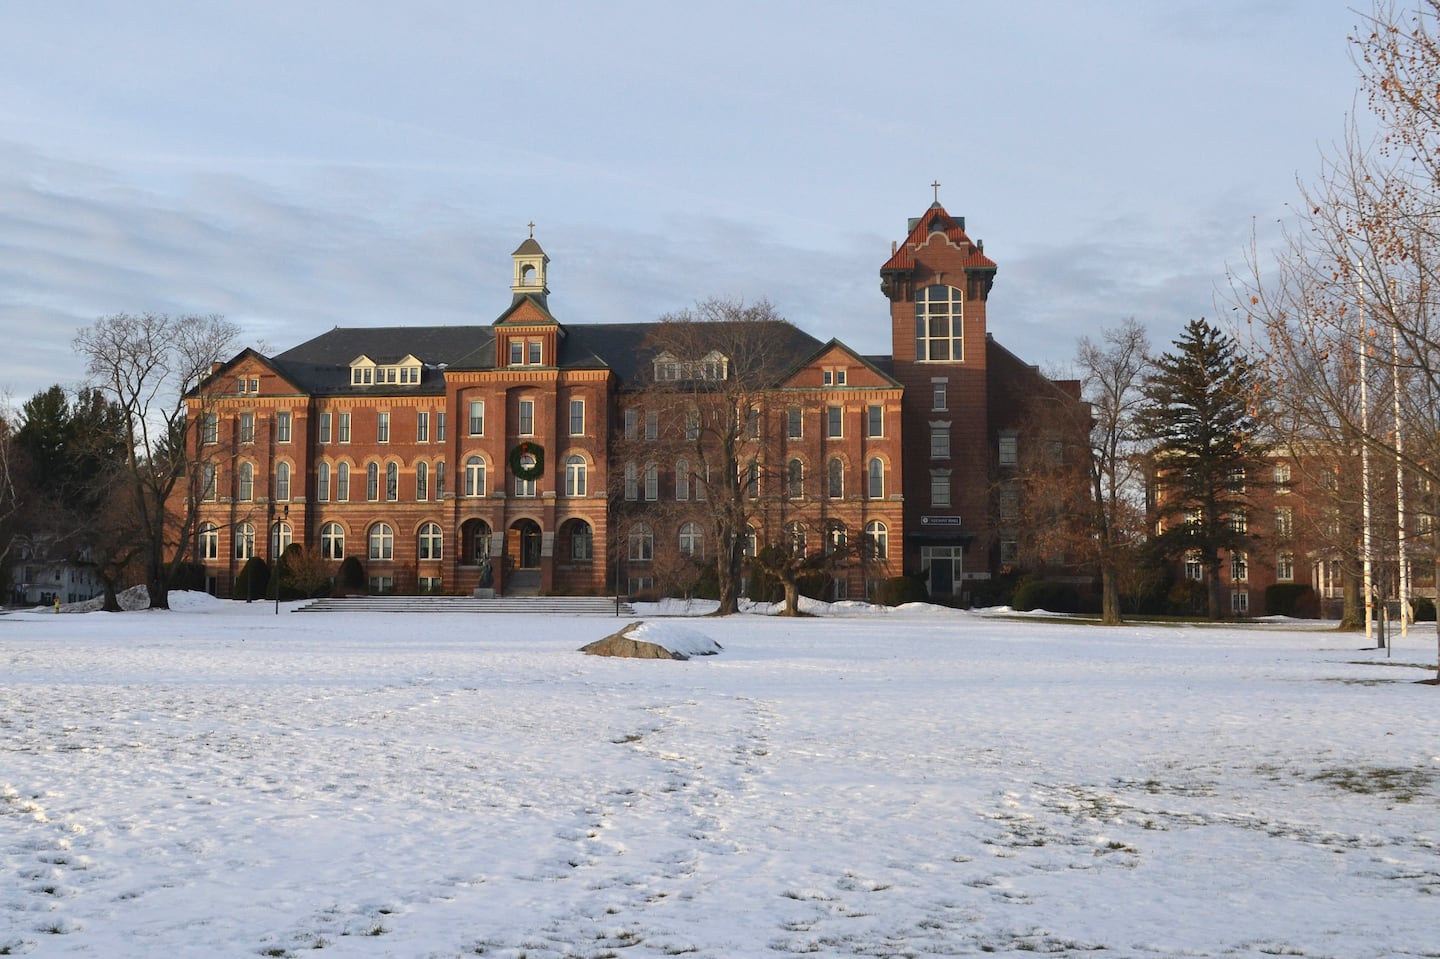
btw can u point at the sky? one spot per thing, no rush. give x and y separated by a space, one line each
295 167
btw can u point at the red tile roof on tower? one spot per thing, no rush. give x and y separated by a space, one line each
903 258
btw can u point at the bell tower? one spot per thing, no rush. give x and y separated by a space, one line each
530 264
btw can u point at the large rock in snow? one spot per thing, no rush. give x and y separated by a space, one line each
642 640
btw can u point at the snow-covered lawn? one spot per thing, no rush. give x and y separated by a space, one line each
222 781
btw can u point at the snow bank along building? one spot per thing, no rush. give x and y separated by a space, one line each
512 455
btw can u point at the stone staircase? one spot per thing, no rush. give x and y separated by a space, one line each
526 605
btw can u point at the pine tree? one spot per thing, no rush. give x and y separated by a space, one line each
1199 412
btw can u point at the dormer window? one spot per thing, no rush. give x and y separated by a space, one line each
362 376
712 366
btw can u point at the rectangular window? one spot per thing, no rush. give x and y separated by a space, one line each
282 427
692 426
1284 521
534 357
839 377
794 423
517 352
344 428
834 422
527 418
254 384
247 427
652 425
477 417
632 423
524 487
1194 566
940 488
938 389
827 377
1282 477
577 417
324 427
382 427
422 428
939 441
652 483
1240 601
207 481
1009 449
875 422
1239 567
210 429
440 427
1285 567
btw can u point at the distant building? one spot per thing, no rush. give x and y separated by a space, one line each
450 458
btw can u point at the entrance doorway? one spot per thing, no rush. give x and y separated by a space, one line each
522 555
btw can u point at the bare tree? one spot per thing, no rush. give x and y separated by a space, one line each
1346 318
11 494
700 407
1112 373
148 364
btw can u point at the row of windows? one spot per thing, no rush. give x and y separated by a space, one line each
691 540
366 375
210 428
689 480
1240 566
380 541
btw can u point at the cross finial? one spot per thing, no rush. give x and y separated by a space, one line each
936 187
531 225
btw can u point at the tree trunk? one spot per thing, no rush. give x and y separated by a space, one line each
792 597
1109 596
112 599
1212 591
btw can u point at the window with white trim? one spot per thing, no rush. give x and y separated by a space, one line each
939 323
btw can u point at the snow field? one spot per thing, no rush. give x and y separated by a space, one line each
218 780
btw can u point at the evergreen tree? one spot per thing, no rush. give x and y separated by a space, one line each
1200 413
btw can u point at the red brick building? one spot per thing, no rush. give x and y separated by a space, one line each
511 455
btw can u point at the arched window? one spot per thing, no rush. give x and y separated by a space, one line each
939 326
440 480
877 478
642 544
576 475
879 537
382 541
342 482
244 541
372 482
682 480
835 478
392 481
795 479
332 541
281 536
692 540
582 541
431 541
422 480
247 483
322 482
209 541
475 476
282 481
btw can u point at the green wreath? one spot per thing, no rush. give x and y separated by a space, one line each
535 453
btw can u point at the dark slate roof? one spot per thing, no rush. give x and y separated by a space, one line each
322 365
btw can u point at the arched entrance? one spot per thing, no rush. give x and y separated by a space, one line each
475 549
522 557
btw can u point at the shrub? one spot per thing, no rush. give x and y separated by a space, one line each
190 576
1424 609
253 580
1290 599
899 590
351 576
1048 595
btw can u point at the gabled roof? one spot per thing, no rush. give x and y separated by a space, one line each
322 365
867 362
536 301
936 220
229 366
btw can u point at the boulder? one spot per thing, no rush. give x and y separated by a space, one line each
641 640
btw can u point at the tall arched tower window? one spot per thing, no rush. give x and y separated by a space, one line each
939 327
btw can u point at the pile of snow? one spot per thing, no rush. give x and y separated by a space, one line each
642 640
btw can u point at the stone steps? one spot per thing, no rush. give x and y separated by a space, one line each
528 605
